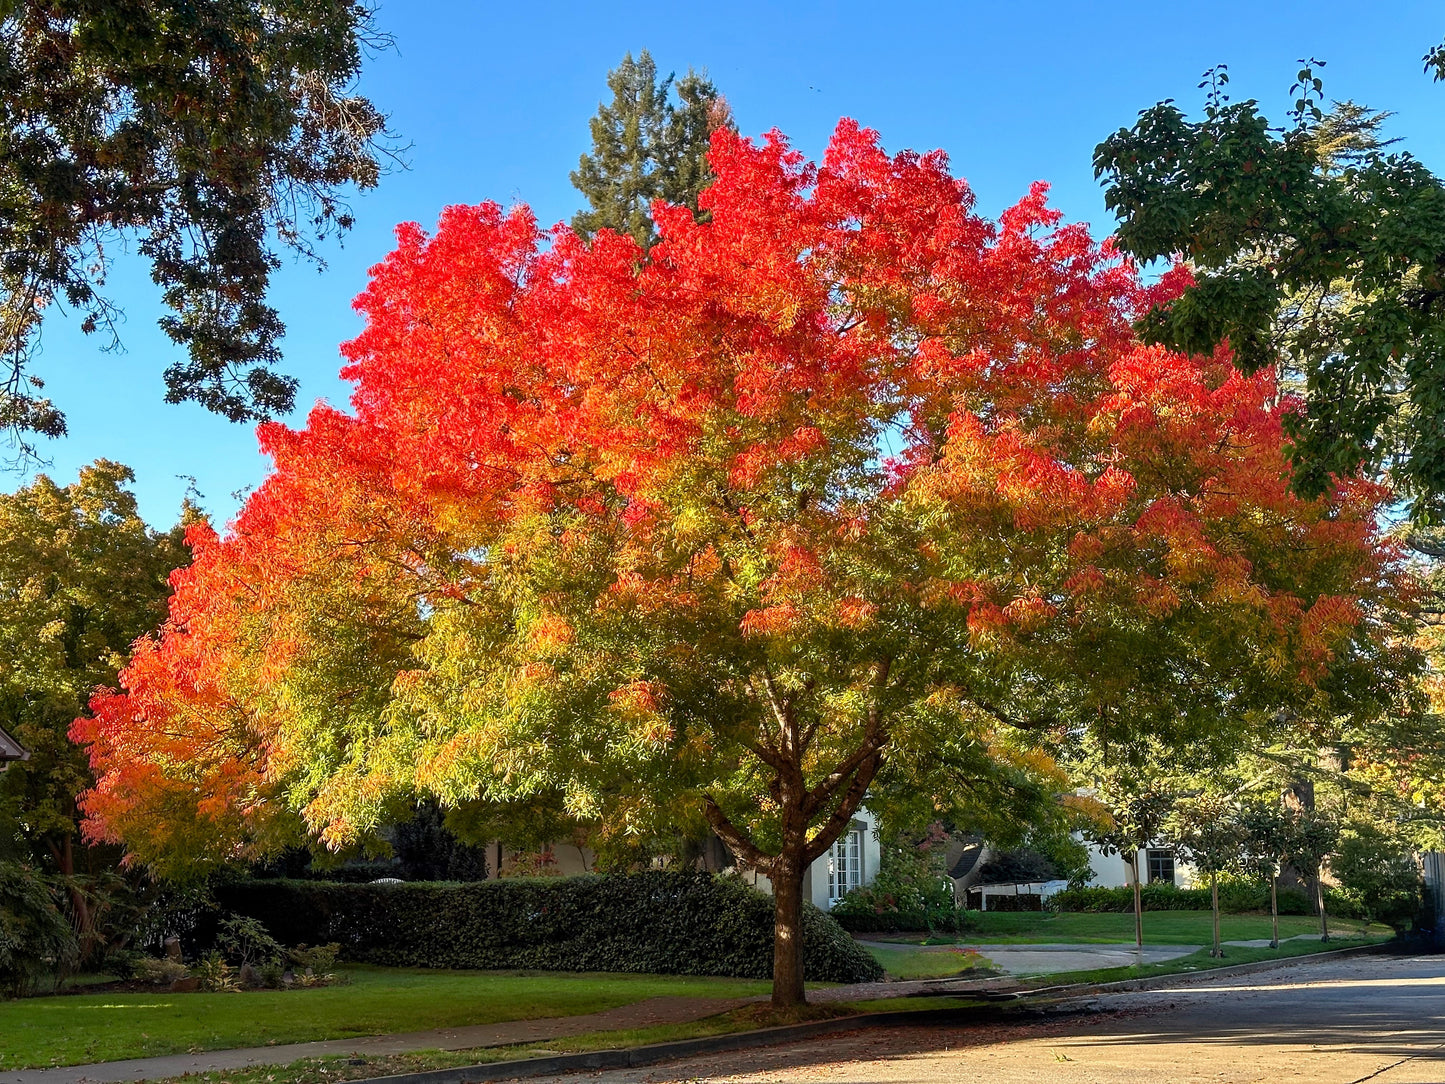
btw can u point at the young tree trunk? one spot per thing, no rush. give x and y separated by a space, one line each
787 880
1274 908
1320 904
1218 949
1138 906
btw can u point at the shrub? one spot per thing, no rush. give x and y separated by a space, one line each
1378 877
912 891
1294 901
954 920
1238 893
35 937
1027 901
159 972
121 963
1155 897
316 963
214 973
245 942
662 922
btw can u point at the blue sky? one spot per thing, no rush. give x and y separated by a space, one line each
495 100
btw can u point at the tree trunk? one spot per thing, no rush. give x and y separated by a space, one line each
1138 906
1274 908
787 878
1218 949
1320 904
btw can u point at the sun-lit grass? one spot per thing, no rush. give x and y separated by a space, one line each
336 1070
76 1029
1200 961
1160 928
912 962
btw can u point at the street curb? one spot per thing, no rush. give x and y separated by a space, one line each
1015 1007
1159 981
686 1048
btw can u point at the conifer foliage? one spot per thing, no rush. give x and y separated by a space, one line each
844 491
646 147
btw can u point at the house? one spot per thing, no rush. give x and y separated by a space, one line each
974 886
1155 865
10 749
850 863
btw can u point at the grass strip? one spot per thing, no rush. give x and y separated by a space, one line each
1199 962
337 1070
76 1029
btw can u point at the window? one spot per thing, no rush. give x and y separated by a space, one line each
1161 866
845 864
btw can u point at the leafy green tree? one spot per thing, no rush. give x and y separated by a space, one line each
35 938
1311 837
1136 811
1313 246
1376 869
646 146
1266 829
205 129
1206 831
81 578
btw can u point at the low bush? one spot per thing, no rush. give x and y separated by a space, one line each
1294 901
953 920
655 922
1236 895
159 972
35 936
1026 901
1155 897
1378 878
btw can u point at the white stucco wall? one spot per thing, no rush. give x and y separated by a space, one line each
1117 870
815 881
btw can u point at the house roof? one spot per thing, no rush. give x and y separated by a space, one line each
10 749
967 858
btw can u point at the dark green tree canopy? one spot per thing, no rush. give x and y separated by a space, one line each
651 143
213 132
1314 246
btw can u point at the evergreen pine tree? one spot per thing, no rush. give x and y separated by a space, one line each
645 147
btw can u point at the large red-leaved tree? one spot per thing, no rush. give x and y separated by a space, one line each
844 492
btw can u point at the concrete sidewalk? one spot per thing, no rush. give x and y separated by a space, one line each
1049 959
640 1014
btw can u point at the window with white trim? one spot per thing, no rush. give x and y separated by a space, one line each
845 864
1161 867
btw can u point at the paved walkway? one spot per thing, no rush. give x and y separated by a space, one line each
640 1014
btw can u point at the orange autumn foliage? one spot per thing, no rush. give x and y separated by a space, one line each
815 497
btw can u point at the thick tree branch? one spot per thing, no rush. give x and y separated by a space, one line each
742 847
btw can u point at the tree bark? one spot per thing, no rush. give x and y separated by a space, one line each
1320 904
787 878
1138 906
1274 908
1218 949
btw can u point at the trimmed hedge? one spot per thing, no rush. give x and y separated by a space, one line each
1168 897
655 922
954 921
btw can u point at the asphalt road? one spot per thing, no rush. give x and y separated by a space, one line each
1376 1019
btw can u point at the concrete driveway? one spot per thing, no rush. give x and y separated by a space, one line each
1051 959
1367 1018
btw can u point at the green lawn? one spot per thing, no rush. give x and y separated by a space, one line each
1196 962
910 962
1160 928
80 1028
